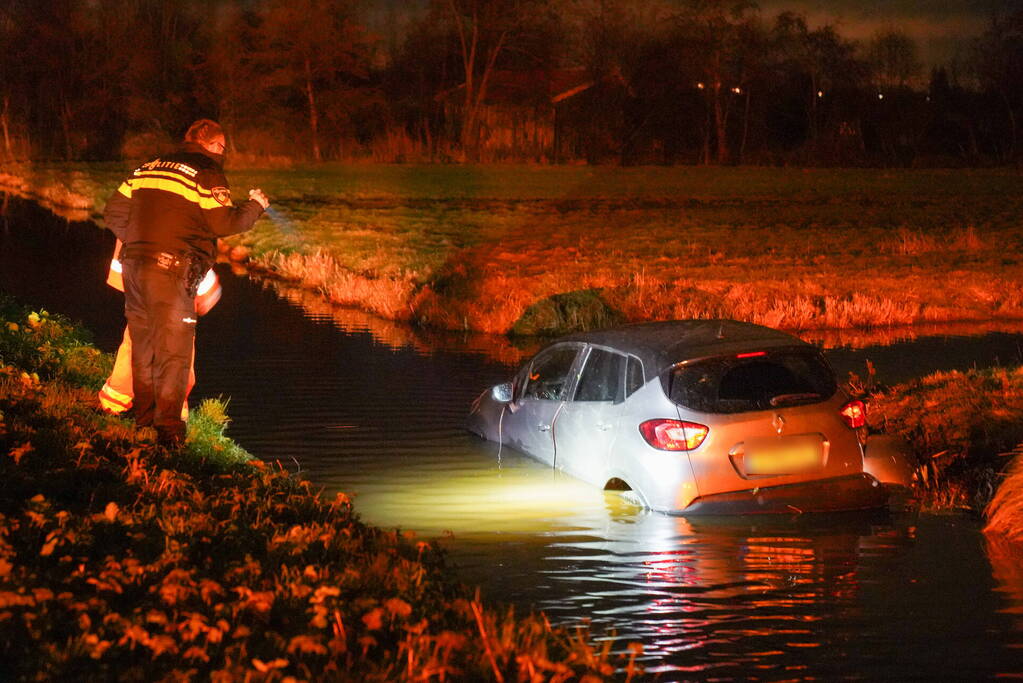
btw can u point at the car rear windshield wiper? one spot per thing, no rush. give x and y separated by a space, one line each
793 398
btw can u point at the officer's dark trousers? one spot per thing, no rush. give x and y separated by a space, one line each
161 318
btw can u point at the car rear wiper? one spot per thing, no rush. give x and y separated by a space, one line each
792 398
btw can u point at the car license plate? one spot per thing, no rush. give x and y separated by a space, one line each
783 456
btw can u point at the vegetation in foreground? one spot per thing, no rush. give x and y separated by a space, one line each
121 560
546 250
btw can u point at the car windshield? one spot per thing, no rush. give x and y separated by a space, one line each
753 381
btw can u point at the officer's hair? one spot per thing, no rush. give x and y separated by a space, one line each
203 130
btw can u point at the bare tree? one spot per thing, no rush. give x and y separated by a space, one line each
717 34
998 64
820 56
486 31
9 77
892 56
313 47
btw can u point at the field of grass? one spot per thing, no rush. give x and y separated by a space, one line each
544 249
120 560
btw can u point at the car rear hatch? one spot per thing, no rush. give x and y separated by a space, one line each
773 418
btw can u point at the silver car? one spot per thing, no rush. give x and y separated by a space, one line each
696 417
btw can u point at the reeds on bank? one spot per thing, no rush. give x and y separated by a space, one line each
1005 511
965 429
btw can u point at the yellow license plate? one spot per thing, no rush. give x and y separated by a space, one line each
783 458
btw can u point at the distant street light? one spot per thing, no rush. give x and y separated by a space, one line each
880 96
737 90
700 86
820 93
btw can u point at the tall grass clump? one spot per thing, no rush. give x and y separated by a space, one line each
388 297
962 427
917 242
121 560
1005 512
206 438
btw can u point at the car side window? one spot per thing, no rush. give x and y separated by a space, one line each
602 378
548 376
633 376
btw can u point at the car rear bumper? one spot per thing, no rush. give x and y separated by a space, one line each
855 492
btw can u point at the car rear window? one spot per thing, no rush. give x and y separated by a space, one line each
747 382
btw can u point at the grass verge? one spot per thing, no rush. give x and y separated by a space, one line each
120 560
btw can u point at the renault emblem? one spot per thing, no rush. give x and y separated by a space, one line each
778 423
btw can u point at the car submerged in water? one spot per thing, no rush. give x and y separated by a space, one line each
696 417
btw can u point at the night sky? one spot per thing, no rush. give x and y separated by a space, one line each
942 28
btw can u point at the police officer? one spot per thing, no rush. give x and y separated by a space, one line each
169 214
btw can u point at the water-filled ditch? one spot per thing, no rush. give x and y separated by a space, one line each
374 409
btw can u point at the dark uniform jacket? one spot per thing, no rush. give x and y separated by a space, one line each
178 204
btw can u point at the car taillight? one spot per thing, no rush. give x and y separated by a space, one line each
673 435
855 414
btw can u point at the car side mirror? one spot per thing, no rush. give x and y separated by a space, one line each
502 393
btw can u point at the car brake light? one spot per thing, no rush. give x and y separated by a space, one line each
855 414
673 435
754 354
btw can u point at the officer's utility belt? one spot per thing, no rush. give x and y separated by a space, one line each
189 267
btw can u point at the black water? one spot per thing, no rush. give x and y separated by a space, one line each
375 410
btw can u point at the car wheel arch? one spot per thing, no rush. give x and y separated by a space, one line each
621 486
617 484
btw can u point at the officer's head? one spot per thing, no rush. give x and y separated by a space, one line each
209 135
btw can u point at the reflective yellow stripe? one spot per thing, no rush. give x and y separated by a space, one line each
170 175
125 189
178 187
114 401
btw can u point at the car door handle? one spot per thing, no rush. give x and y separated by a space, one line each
543 427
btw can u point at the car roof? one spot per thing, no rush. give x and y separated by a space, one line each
663 344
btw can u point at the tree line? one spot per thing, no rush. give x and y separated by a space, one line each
605 81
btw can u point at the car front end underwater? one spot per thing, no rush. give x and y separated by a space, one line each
697 417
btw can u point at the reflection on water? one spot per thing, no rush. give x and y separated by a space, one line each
1007 564
376 411
888 336
899 353
398 335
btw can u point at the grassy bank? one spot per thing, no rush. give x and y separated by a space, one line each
119 560
965 429
546 249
